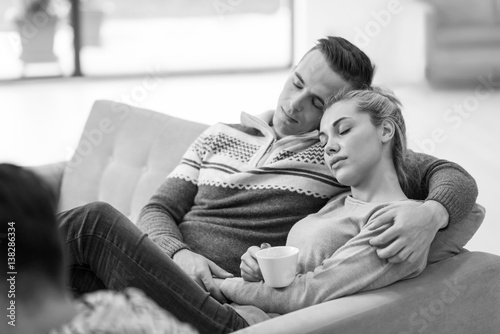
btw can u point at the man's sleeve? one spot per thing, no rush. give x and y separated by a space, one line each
442 181
165 210
354 267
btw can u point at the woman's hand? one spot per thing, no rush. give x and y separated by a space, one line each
250 270
220 297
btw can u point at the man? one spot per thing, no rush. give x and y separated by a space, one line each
242 185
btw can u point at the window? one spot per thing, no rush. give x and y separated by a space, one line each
128 37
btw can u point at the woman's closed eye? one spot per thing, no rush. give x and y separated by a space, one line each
344 131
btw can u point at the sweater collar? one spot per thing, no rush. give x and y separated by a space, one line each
262 123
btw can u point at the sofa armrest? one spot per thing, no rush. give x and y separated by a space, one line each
52 174
457 295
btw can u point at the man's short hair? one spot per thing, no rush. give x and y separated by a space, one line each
28 223
347 60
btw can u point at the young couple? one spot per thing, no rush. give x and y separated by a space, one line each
241 185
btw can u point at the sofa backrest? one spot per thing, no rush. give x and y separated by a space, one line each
451 240
124 154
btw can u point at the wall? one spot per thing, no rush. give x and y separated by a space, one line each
391 32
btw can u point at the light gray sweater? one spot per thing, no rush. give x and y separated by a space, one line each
335 260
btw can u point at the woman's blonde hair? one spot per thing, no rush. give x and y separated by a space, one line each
382 105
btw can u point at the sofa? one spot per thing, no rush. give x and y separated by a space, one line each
124 154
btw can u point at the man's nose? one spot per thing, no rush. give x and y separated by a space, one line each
297 103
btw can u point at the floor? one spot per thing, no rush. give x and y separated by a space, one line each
41 120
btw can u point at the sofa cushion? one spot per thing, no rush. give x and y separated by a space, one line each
124 154
458 295
451 240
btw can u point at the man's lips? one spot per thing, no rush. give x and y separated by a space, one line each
288 117
335 160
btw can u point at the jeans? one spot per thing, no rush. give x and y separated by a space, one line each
105 250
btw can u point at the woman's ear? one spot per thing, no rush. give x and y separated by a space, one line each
387 131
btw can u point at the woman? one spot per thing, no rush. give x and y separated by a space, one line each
363 135
364 140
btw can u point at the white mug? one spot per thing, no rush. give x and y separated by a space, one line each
278 265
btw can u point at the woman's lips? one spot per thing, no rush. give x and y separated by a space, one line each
336 160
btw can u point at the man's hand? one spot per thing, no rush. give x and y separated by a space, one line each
202 270
250 270
411 227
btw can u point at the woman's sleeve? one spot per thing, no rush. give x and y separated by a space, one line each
163 213
354 267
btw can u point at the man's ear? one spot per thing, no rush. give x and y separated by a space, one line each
387 131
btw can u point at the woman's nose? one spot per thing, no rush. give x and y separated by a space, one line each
332 148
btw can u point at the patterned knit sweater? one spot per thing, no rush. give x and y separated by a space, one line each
238 186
